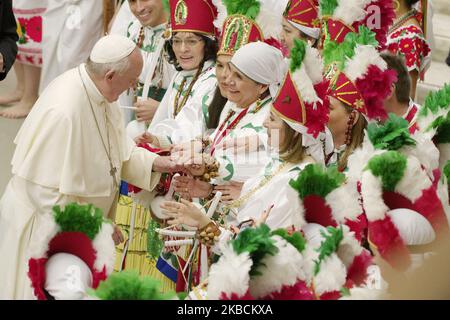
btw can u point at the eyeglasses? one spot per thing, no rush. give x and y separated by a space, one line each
190 43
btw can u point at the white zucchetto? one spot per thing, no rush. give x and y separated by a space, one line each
112 48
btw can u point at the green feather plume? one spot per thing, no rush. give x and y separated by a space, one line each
297 54
166 6
316 179
327 7
391 135
257 242
296 238
436 100
154 242
447 171
330 244
248 8
127 285
79 218
339 53
390 166
443 130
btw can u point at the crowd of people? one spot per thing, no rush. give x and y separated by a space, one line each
223 149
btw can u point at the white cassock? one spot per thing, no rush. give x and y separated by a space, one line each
60 158
72 27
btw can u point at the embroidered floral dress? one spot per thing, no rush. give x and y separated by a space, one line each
409 41
29 27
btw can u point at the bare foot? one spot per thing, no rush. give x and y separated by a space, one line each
20 110
11 98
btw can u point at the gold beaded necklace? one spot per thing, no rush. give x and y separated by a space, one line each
176 106
244 199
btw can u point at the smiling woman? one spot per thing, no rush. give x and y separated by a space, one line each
192 49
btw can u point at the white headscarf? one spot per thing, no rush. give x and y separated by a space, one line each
261 63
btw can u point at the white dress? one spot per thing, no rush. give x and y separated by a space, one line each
287 205
165 124
71 29
162 73
59 159
242 166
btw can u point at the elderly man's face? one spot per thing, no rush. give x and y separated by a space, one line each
119 83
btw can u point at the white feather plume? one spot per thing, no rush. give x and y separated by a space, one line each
414 180
48 228
104 246
344 203
332 275
364 56
284 268
221 14
350 11
313 64
231 274
304 85
349 247
270 17
372 193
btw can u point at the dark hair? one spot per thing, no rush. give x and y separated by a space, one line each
357 138
410 3
403 84
211 48
215 109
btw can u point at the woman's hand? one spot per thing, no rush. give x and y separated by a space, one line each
117 236
230 191
241 144
189 188
146 137
146 109
185 213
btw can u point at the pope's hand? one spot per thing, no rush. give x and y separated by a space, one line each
146 109
166 164
189 188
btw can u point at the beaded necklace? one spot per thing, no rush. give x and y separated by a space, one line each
178 106
400 21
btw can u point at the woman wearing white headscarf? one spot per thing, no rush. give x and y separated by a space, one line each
256 70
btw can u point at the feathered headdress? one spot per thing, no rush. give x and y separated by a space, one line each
434 121
249 21
391 181
193 16
260 264
304 15
128 285
359 77
301 101
79 230
328 200
341 17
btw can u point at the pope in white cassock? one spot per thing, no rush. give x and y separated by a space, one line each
73 148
